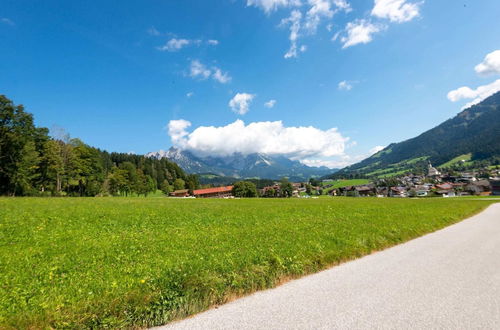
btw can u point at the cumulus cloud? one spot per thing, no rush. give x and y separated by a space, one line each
177 131
273 138
271 5
344 85
359 32
200 71
490 65
240 103
213 42
478 94
269 104
189 94
398 11
376 149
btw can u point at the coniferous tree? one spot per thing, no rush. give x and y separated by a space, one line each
26 170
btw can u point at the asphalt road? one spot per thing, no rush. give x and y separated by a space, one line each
449 279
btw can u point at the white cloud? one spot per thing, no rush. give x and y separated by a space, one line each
478 94
339 162
240 103
189 94
294 21
490 64
7 21
264 137
307 23
342 160
174 45
359 32
330 163
343 5
177 131
323 9
318 10
344 85
221 77
396 10
269 104
376 149
199 70
271 5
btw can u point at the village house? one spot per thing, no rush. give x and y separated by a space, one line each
382 191
445 189
422 190
358 191
217 192
273 190
467 177
398 192
180 193
481 187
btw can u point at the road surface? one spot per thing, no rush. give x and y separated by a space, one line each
449 279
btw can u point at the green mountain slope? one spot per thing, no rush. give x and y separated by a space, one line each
473 135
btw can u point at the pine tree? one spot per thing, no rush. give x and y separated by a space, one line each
27 169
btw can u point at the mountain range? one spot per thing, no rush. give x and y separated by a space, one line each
472 136
237 165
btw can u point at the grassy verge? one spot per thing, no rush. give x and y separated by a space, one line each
131 262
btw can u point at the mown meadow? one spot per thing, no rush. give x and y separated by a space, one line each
136 262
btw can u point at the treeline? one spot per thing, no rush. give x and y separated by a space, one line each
34 164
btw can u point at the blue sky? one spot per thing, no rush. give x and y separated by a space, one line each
117 73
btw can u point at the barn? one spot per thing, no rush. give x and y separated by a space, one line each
217 192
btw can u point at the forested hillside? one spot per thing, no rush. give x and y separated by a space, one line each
472 136
32 164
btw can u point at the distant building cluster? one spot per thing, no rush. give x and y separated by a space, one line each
216 192
433 184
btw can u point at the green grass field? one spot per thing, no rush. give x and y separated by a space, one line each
137 262
459 159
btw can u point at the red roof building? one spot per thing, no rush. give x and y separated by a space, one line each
445 186
217 192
